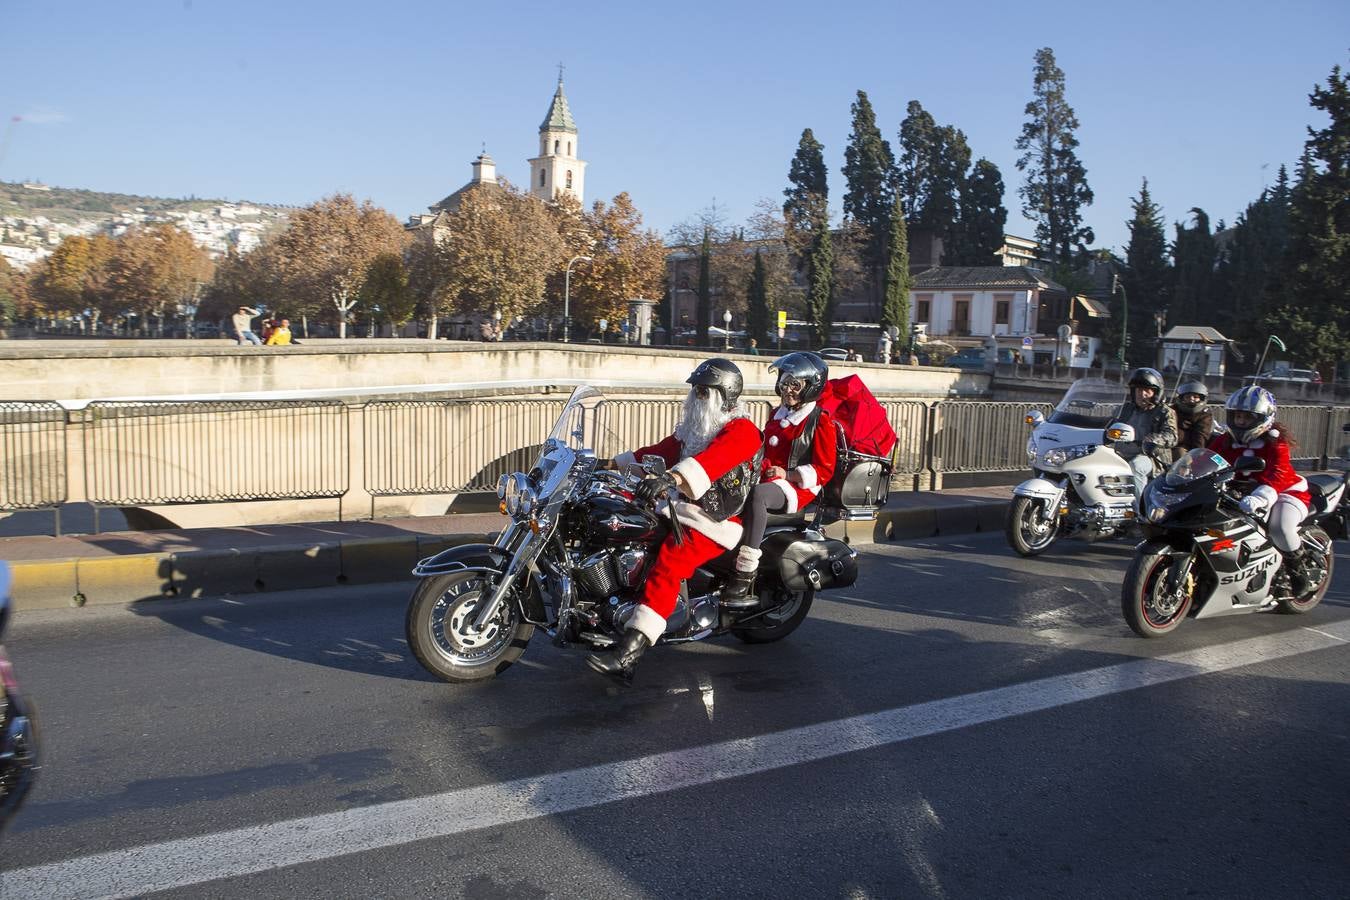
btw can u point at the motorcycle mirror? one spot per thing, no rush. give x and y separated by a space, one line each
1120 432
1249 464
654 464
1035 418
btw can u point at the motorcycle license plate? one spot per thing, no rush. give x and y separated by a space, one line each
1119 512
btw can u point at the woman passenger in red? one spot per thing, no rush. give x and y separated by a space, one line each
799 458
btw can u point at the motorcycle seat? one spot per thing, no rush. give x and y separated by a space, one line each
1321 485
778 520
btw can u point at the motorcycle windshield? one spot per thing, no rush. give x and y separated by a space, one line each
584 424
1089 403
1196 464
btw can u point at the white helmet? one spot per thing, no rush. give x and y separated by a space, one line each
1255 400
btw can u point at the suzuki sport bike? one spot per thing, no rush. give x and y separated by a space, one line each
574 554
1081 487
1204 557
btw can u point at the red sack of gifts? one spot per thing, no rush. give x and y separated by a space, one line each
864 421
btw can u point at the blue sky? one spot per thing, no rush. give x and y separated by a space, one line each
677 104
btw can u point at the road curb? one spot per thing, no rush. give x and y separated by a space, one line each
128 578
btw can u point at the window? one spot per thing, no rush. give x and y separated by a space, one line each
569 179
569 148
556 144
541 177
1002 309
923 309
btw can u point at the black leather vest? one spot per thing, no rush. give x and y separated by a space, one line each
728 494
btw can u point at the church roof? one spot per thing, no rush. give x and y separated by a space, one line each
559 117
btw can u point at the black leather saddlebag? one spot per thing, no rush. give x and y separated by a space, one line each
806 562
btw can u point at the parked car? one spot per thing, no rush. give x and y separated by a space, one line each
1287 376
834 353
968 358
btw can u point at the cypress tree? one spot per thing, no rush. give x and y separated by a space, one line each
934 161
820 286
1056 189
895 309
704 312
1146 270
757 303
869 170
807 183
1195 256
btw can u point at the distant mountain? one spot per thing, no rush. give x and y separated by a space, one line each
73 205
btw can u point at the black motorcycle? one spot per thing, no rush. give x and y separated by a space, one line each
18 740
1202 556
574 555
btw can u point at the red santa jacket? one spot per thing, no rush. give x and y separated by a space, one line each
737 442
783 428
1278 477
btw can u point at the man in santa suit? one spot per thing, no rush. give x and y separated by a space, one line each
800 449
712 461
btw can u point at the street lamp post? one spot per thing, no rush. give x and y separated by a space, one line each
567 296
1124 316
726 320
496 324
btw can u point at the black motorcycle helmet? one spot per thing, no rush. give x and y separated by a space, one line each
1147 377
721 375
1192 387
809 367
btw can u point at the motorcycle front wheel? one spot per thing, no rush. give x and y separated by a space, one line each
441 628
1032 527
1150 609
787 610
1312 598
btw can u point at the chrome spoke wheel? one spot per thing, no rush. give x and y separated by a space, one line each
452 627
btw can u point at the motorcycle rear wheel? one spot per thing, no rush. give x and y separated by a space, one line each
441 635
1148 610
780 622
1299 605
1028 531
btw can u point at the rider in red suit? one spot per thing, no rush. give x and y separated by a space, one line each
708 458
793 470
1253 431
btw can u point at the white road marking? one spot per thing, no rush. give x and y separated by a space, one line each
194 860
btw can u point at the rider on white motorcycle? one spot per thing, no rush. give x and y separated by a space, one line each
1155 427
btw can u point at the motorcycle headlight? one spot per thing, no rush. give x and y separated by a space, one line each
1060 455
517 495
1159 503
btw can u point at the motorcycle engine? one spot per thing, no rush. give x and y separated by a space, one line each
608 572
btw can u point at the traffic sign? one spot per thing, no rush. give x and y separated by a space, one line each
782 319
1026 343
782 333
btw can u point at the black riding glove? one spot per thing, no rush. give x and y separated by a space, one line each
654 486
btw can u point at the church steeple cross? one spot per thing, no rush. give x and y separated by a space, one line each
560 73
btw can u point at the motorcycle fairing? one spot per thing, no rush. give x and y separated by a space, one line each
1040 489
1243 564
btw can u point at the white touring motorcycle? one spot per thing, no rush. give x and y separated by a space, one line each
578 545
1082 487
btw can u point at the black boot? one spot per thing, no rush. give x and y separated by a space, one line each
617 662
1296 564
739 592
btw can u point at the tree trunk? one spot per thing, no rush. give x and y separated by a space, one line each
431 326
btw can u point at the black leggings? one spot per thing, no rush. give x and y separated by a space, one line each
764 499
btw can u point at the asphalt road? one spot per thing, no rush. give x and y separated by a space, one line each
294 735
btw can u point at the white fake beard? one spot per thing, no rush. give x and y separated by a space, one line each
702 420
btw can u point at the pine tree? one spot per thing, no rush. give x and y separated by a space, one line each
757 303
703 317
979 233
1195 256
1254 266
820 286
1318 257
895 309
807 180
869 170
1056 190
1146 270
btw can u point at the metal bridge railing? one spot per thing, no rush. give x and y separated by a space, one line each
32 455
214 451
974 436
910 420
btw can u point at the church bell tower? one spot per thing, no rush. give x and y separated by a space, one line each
557 170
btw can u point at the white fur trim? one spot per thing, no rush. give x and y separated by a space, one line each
725 534
747 559
648 621
808 475
773 440
794 416
694 475
789 492
1266 493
